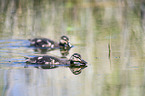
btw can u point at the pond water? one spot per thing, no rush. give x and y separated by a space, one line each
109 35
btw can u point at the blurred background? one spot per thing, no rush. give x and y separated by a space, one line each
109 35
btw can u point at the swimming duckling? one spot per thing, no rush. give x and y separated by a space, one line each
75 60
47 43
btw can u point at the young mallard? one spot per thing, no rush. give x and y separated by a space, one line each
75 60
45 43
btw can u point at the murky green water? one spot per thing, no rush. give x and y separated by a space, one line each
108 34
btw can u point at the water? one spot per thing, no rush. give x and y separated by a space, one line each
109 35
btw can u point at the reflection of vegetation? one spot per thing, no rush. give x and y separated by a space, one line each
95 24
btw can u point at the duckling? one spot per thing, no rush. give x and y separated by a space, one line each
75 60
45 43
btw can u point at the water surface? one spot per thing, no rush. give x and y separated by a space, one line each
108 34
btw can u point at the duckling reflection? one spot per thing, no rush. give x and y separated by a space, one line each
64 52
75 63
42 50
44 45
76 70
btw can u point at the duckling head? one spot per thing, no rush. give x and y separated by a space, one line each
76 60
64 42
